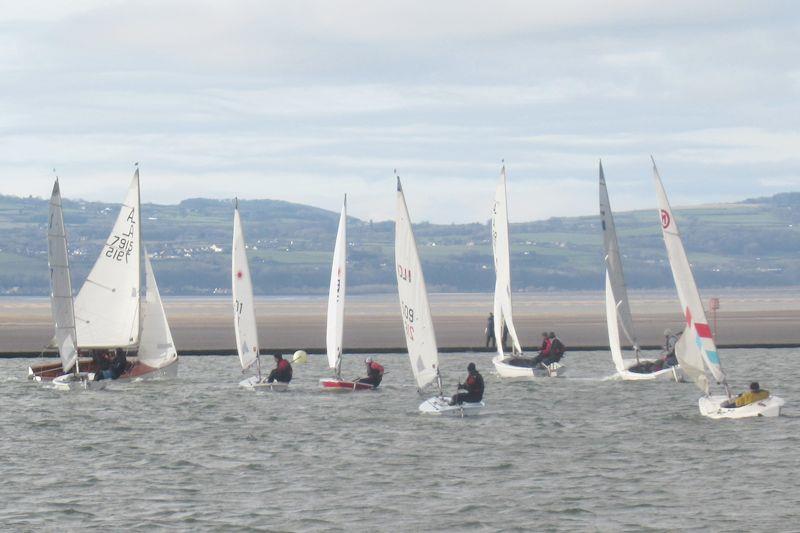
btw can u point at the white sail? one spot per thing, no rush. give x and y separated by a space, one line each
244 313
502 268
613 328
336 294
107 306
414 307
61 303
614 264
697 330
156 347
690 358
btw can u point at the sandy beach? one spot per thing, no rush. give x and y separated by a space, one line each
746 317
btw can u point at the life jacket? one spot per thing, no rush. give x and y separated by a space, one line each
375 370
285 369
547 344
746 398
474 385
557 347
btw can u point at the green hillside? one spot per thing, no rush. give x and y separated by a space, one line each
753 243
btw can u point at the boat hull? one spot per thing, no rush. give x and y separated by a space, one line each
711 407
71 382
136 371
509 371
440 406
672 373
254 384
341 385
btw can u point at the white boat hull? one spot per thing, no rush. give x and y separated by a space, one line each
439 405
509 371
711 406
71 382
253 383
672 373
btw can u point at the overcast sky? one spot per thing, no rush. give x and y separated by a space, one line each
306 100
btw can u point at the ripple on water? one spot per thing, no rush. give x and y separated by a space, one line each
198 453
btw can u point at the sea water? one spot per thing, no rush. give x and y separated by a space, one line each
578 453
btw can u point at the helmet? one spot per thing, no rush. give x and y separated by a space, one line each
368 360
667 332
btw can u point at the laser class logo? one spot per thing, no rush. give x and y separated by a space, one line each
665 220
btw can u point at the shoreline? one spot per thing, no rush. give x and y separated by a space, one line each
747 319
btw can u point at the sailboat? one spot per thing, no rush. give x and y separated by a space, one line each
618 310
244 313
110 310
61 300
696 350
416 313
515 365
336 301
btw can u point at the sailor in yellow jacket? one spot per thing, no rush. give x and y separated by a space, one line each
755 394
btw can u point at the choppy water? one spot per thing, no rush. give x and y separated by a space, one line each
578 453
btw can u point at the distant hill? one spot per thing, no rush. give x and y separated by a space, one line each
754 243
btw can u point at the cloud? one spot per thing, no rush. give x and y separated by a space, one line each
300 100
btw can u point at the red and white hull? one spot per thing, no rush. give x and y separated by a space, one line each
342 385
136 371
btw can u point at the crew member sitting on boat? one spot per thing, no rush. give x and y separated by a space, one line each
557 350
102 364
374 373
668 351
473 387
282 373
755 394
110 367
544 350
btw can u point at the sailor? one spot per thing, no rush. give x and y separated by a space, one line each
668 351
374 373
490 331
282 373
119 364
544 350
102 365
473 386
755 394
505 336
557 349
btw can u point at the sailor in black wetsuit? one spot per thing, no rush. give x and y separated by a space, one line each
282 373
473 386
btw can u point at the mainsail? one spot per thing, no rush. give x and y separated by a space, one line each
107 306
414 307
502 268
244 314
156 347
697 339
61 303
614 273
336 294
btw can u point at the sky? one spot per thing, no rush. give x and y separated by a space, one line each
307 100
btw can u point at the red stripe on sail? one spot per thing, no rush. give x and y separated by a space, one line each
688 317
703 330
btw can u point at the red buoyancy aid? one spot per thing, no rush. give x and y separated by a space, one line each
546 345
375 368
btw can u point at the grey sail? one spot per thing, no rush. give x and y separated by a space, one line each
613 261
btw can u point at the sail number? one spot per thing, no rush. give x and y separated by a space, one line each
408 319
404 273
121 246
